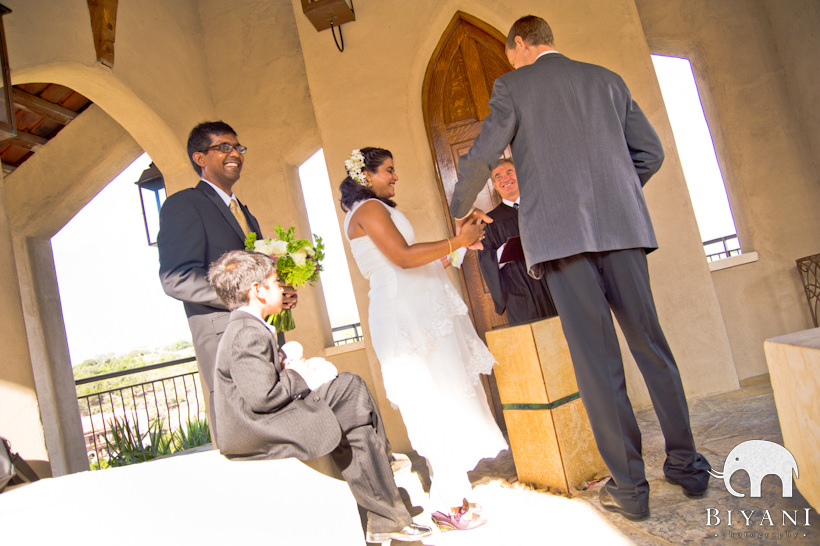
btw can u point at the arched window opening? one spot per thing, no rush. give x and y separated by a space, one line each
697 153
336 282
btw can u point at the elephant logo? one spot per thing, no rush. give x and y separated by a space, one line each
759 458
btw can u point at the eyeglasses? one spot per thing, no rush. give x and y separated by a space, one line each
226 148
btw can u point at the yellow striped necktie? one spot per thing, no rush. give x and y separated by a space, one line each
240 216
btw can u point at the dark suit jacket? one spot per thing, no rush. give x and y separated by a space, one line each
195 229
525 299
263 410
583 150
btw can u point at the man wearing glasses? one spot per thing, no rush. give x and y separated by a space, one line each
197 226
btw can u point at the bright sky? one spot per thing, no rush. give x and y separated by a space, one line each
321 209
700 166
108 276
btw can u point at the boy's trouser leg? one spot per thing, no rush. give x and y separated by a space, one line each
362 453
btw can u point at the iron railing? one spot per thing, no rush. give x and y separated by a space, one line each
349 333
173 400
722 247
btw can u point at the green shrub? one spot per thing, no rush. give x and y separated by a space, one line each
126 444
195 433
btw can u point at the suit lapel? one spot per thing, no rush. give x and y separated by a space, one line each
252 223
220 206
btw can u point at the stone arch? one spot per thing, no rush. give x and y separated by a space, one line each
40 198
119 102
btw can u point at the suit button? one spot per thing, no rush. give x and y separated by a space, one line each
315 398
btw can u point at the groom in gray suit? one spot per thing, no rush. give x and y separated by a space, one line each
583 151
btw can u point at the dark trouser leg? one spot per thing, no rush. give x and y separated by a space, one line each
577 288
362 454
205 345
629 292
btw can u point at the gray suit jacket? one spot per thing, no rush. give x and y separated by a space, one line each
583 150
196 228
263 410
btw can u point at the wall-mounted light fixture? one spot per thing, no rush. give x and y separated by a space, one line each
8 124
330 14
152 196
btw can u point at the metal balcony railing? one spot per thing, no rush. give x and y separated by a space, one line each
174 401
722 247
349 333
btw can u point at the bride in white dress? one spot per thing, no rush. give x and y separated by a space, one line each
430 354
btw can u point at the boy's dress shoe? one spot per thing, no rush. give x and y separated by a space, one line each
411 533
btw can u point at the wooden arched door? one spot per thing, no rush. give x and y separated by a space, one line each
457 86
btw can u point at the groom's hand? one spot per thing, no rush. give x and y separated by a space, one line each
475 215
289 296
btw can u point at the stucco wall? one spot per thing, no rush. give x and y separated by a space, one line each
41 196
256 79
794 30
19 412
755 87
371 95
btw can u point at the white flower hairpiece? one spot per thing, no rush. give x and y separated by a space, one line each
355 167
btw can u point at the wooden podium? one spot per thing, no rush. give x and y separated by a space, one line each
550 435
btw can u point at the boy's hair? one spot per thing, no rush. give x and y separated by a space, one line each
234 273
533 30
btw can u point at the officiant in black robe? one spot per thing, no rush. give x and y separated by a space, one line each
525 299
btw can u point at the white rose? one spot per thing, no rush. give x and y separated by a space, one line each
271 247
262 246
299 257
279 248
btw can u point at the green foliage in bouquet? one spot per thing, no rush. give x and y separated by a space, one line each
298 262
302 262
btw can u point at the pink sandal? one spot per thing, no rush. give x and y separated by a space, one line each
464 520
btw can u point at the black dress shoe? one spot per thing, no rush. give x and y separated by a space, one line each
609 502
692 487
411 533
693 478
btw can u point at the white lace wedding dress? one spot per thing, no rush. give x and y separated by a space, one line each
431 358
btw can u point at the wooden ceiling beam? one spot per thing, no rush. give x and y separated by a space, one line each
27 141
104 25
35 104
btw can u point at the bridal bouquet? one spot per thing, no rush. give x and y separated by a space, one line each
297 262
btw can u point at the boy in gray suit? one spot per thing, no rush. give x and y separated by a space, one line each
267 411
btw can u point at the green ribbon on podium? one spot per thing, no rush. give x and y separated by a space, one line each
551 405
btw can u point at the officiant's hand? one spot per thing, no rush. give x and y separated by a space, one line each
289 296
